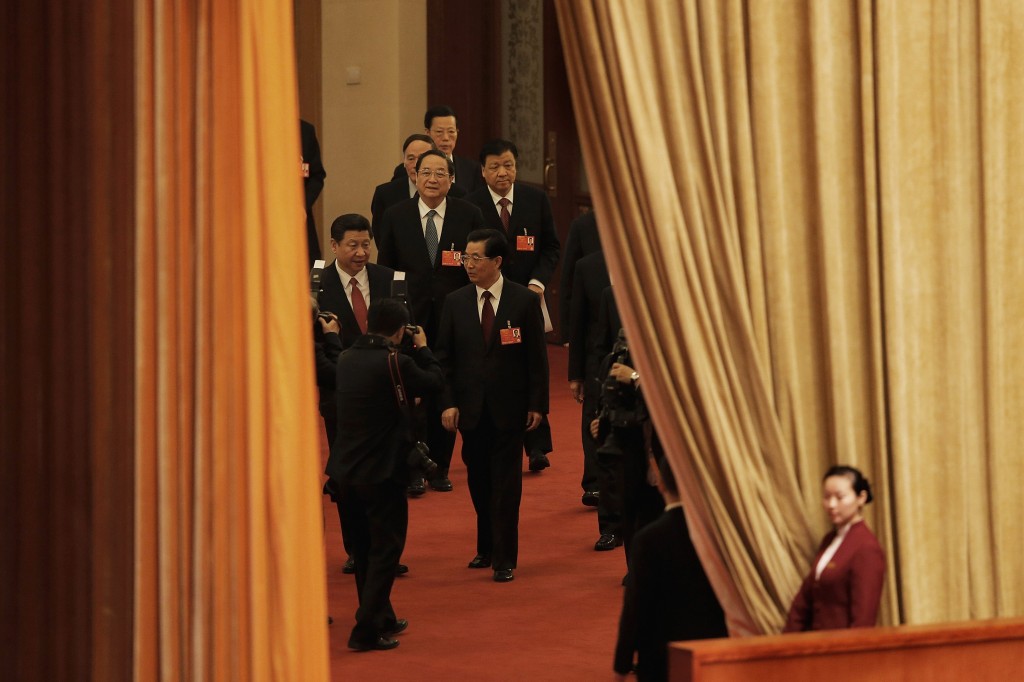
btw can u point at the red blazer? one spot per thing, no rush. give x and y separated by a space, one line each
850 587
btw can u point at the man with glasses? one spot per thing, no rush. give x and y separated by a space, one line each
424 238
492 349
441 124
523 213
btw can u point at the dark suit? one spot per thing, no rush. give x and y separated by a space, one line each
494 385
850 587
583 240
590 281
468 178
385 196
530 215
333 299
313 184
327 348
668 598
395 191
402 247
369 468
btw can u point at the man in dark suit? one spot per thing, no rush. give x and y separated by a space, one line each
350 242
313 175
370 465
523 213
424 238
590 281
403 187
668 596
491 346
583 240
442 125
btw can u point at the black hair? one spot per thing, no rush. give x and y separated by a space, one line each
438 153
495 243
349 222
386 316
439 112
417 137
860 483
497 148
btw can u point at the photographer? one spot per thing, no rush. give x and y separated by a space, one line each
624 430
370 465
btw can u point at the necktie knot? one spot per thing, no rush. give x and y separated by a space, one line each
503 202
486 295
431 213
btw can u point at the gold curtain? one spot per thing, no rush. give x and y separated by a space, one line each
230 577
809 211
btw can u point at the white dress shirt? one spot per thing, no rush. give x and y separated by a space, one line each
362 281
438 220
495 298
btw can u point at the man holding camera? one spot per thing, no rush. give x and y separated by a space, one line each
370 465
491 345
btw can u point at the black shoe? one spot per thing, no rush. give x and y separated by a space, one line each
606 542
591 498
416 488
480 561
538 461
330 621
350 566
503 575
442 484
400 625
401 569
382 644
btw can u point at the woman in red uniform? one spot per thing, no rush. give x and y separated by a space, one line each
844 587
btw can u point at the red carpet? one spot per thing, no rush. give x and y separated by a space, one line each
556 621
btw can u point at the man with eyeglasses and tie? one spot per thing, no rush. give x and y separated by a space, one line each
441 124
424 238
491 347
523 213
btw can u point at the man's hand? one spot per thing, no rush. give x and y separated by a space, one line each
622 373
536 289
420 337
330 326
450 418
594 427
577 390
533 420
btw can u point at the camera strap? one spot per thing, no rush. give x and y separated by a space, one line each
399 386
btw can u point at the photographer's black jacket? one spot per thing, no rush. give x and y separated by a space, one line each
376 439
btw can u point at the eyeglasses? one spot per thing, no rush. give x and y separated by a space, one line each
474 259
426 173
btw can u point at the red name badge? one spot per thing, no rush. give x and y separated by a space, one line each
305 169
451 258
524 243
510 335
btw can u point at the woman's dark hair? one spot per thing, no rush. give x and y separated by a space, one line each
860 483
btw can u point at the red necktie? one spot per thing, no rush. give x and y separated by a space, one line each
487 317
505 215
358 305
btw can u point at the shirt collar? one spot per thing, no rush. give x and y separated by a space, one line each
495 288
495 197
362 277
424 209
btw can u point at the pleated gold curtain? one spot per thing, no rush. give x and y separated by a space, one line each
230 580
812 219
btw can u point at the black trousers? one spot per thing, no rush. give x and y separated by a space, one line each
494 472
538 440
440 440
374 521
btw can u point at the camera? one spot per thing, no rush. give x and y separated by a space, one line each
419 460
622 404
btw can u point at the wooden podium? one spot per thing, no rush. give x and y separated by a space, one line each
973 651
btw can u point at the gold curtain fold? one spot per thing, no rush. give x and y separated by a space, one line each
230 577
809 210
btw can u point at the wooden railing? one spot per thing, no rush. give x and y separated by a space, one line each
962 652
